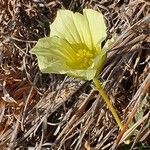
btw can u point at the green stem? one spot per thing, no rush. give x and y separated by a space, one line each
106 99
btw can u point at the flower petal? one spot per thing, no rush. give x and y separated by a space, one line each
88 74
64 27
50 65
99 61
73 27
52 54
96 24
54 47
82 26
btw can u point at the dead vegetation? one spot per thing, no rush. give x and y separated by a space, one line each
45 111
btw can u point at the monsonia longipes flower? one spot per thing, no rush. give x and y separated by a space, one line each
74 45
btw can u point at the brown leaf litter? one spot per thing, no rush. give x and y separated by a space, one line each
45 111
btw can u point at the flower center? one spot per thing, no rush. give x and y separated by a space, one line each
83 59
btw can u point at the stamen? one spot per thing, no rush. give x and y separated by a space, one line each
83 59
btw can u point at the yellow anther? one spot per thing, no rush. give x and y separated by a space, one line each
84 58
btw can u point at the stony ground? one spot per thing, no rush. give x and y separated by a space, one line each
53 112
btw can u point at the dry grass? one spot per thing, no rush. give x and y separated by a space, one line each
45 111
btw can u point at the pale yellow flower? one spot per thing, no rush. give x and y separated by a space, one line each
74 46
